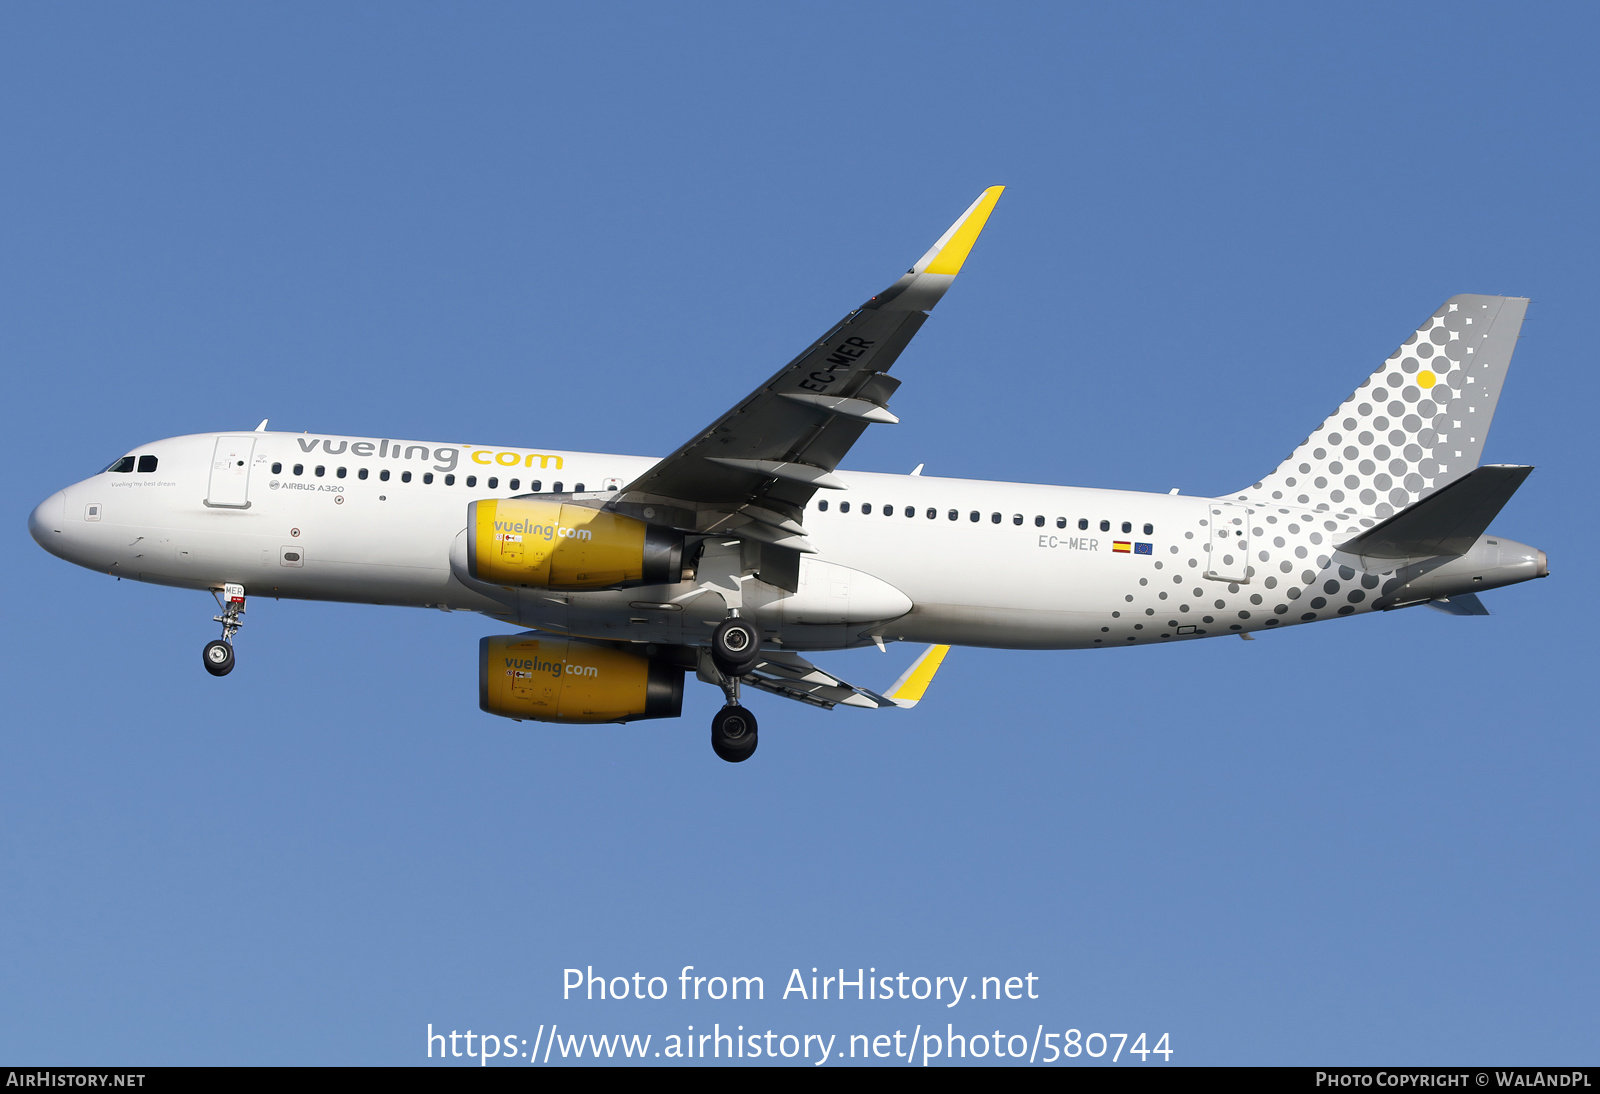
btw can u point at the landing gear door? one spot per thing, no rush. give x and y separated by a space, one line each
230 473
1229 557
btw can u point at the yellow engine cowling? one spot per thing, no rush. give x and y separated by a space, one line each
550 679
554 545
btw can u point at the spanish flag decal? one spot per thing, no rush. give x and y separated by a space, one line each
1122 546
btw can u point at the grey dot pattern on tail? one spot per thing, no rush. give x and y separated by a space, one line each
1414 425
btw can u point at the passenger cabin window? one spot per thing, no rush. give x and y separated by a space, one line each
1127 526
427 477
362 474
844 507
535 486
383 476
472 480
515 481
866 507
449 480
1038 522
1149 529
321 470
933 514
555 486
822 506
1016 518
994 518
405 476
299 469
494 482
1061 522
1105 526
121 467
1083 524
888 510
975 516
147 464
954 515
340 472
577 488
277 469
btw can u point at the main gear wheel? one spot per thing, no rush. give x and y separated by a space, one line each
733 734
736 646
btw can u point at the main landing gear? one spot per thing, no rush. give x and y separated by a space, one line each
218 655
735 651
735 646
733 734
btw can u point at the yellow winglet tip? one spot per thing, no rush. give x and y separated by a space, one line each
963 234
909 689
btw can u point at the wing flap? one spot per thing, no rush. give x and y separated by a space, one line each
793 677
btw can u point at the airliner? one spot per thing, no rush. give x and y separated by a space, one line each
748 548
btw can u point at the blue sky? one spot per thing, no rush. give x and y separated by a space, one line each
594 227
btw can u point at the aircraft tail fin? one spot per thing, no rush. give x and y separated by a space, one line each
1415 425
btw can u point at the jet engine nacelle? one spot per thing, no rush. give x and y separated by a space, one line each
550 679
555 545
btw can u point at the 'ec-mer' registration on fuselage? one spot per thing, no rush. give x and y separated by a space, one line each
748 547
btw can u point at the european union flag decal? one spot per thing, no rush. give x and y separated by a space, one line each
1143 549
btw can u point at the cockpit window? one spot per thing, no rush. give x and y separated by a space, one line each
147 464
121 467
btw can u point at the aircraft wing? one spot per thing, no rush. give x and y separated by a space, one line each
793 677
752 471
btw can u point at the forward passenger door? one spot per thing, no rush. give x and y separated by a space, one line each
231 460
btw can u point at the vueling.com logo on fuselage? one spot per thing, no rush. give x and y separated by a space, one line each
446 457
503 528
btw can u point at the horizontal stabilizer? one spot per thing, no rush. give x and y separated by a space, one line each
1459 604
1446 522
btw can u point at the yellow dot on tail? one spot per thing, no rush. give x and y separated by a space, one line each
1426 379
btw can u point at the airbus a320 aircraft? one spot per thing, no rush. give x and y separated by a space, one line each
748 547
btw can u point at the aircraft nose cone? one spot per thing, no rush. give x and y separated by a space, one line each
1544 565
45 522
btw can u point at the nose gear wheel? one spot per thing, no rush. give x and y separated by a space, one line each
218 657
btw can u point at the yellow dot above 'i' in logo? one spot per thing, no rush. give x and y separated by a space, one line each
1426 379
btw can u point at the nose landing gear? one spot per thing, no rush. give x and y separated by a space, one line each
218 654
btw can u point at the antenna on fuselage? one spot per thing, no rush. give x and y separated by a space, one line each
262 428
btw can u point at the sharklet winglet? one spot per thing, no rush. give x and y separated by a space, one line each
913 683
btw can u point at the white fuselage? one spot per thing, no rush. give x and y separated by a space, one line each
981 563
